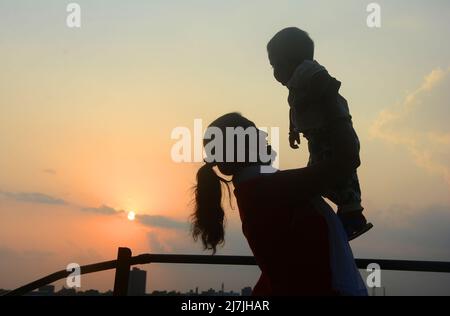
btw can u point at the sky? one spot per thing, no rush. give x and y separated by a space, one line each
86 116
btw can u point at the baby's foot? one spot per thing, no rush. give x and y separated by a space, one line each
355 224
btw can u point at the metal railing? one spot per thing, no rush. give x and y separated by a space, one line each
125 260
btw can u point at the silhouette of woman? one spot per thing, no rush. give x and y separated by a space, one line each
297 240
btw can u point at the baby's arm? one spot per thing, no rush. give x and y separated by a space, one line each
304 183
294 136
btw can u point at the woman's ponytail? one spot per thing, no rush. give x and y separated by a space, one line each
208 217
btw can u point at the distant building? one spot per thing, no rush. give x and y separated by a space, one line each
210 292
137 282
246 291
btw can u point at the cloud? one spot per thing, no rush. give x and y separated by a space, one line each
33 197
419 124
24 254
104 209
181 241
403 232
49 171
159 244
161 221
21 266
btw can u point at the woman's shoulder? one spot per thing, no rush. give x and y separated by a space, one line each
283 184
277 192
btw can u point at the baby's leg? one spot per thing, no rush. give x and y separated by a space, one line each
347 196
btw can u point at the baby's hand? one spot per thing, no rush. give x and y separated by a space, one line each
294 139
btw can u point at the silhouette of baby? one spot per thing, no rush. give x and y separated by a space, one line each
321 114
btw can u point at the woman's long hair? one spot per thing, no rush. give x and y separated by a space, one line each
208 217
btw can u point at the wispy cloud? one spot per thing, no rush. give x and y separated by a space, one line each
408 233
49 171
161 221
424 142
104 209
158 244
26 254
33 197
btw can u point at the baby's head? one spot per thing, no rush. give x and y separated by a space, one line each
288 49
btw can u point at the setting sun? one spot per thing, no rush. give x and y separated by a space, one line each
131 215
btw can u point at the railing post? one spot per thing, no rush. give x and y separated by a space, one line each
122 272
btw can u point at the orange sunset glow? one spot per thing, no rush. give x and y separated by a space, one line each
86 117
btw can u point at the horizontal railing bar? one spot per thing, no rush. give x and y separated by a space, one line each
406 265
394 265
194 259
